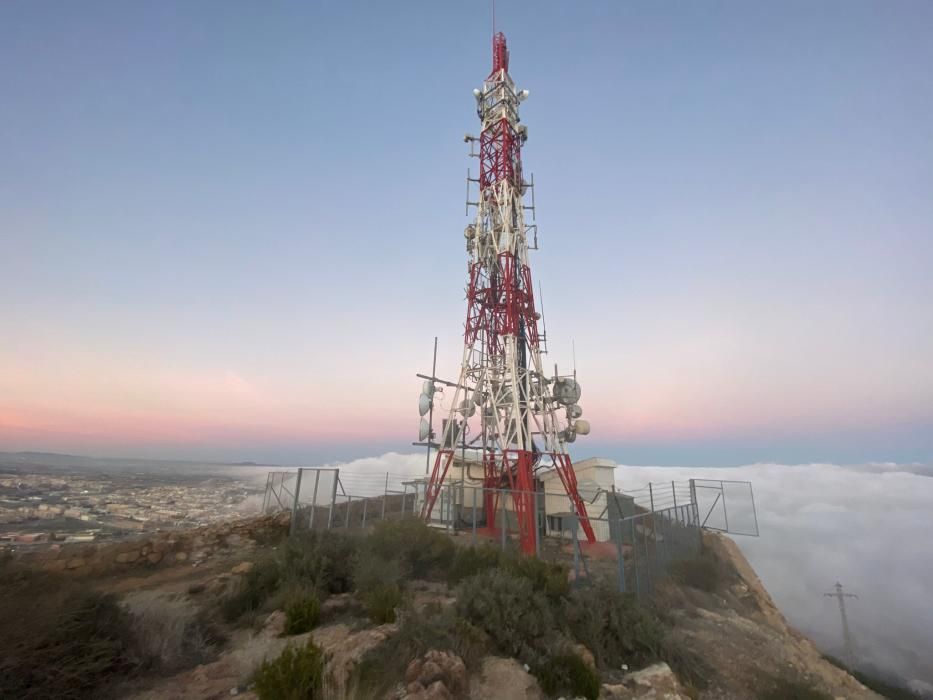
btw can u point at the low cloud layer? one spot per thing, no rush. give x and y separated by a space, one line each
867 526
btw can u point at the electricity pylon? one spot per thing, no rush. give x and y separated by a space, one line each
846 635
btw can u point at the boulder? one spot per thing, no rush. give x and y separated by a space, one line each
656 682
504 679
243 567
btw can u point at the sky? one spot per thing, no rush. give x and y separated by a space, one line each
231 230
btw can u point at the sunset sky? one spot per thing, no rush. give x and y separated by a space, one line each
231 230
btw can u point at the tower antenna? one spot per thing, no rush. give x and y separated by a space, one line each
521 419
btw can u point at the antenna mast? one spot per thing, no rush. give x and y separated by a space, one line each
521 419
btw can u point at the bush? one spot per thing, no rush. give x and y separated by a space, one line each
297 674
302 614
703 573
424 551
170 630
381 602
322 557
506 607
253 590
550 579
782 688
436 627
567 673
63 640
469 561
614 626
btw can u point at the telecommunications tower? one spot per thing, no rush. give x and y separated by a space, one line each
506 407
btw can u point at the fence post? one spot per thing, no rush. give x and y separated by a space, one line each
651 495
346 520
474 516
693 491
365 503
450 507
385 497
576 551
620 554
725 514
505 520
674 492
333 500
537 527
294 521
635 558
265 496
317 481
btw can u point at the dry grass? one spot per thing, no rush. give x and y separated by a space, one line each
170 630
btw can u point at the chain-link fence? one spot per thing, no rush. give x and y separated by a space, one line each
636 534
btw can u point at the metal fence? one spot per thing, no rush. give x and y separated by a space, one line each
638 533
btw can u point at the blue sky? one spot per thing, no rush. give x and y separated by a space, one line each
231 230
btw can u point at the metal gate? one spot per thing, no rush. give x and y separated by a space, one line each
725 506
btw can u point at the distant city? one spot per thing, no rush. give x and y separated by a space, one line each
47 499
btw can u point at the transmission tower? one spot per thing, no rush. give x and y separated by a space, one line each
846 635
518 417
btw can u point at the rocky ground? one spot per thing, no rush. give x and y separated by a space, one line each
734 627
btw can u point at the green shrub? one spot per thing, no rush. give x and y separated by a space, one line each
783 688
469 561
614 626
506 607
297 674
424 551
302 614
322 557
550 579
252 590
567 673
436 627
703 573
381 602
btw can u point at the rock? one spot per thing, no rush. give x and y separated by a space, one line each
586 655
436 691
154 557
504 679
181 556
344 650
274 626
656 682
74 563
413 670
127 557
423 674
242 568
430 672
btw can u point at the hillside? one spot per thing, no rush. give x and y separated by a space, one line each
401 612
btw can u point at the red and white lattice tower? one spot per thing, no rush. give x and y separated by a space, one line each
516 416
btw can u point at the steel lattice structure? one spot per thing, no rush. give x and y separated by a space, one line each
519 417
